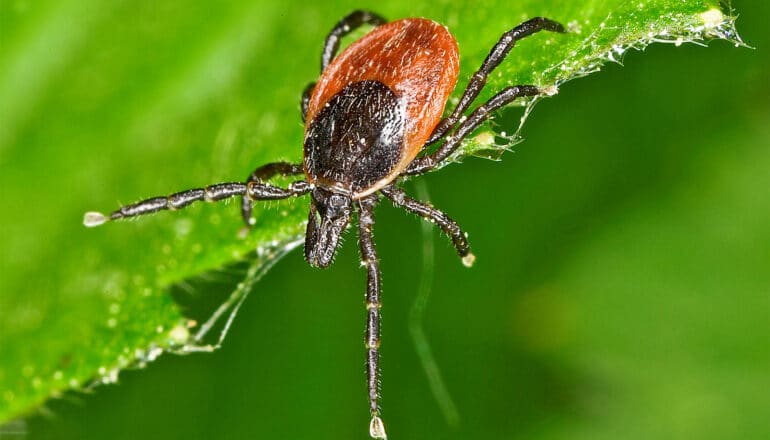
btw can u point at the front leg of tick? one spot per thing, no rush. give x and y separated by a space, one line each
261 175
373 304
495 57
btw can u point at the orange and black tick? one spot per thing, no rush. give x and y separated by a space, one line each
375 108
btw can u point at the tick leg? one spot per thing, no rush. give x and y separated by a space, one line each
211 193
495 57
353 21
261 174
305 102
373 304
424 210
476 118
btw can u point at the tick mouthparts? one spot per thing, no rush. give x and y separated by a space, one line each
377 428
92 219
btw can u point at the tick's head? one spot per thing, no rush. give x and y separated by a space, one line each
329 216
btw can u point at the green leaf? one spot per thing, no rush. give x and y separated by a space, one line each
104 102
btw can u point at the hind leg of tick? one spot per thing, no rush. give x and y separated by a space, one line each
448 226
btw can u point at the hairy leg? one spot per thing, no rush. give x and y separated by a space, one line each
351 22
373 304
260 175
424 210
495 57
211 193
426 163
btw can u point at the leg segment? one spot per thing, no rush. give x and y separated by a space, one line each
212 193
476 118
373 303
495 57
261 174
353 21
449 226
305 102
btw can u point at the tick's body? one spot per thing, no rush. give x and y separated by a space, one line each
372 112
378 103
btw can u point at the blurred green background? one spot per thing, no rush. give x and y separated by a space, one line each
621 289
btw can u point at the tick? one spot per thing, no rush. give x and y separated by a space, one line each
376 107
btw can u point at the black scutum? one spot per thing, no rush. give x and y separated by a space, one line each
357 138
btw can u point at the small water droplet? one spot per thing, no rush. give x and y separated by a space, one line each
179 334
574 27
712 18
110 377
485 138
153 353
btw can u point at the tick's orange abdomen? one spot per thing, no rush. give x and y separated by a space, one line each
416 58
